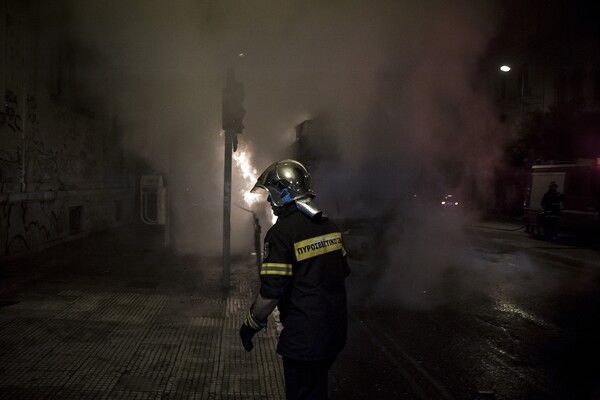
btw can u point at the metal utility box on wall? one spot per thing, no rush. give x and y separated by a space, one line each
153 200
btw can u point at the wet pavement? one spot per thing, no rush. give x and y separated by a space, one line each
504 316
567 248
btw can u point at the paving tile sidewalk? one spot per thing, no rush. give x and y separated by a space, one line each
110 317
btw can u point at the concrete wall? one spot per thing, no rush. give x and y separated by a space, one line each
63 173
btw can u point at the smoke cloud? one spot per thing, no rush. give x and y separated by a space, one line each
396 80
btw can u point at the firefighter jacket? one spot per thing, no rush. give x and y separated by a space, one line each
304 266
552 202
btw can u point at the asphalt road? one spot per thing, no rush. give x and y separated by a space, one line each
488 314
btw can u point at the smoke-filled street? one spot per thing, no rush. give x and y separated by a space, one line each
411 188
516 319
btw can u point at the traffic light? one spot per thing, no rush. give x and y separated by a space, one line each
233 109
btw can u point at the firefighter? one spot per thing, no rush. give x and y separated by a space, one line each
552 203
303 272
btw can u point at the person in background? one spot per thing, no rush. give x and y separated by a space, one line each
303 273
552 203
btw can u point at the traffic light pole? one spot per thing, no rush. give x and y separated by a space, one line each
227 210
232 115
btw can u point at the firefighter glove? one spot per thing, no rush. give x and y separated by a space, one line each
249 328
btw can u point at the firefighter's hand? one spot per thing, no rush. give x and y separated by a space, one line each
247 333
249 328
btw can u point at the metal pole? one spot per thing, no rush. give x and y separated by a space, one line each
232 114
227 209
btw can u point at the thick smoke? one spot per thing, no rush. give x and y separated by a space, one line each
395 78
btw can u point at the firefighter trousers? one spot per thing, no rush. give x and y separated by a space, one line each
306 380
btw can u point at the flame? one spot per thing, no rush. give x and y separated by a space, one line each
248 174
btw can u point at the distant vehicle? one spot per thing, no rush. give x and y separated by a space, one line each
450 206
579 181
450 201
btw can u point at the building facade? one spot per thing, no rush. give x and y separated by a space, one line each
543 72
63 173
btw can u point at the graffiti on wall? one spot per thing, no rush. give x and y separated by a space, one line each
13 118
11 147
28 224
32 115
48 156
10 166
48 164
53 151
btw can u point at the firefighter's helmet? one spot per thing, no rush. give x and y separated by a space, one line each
286 181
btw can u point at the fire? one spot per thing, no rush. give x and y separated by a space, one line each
248 174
